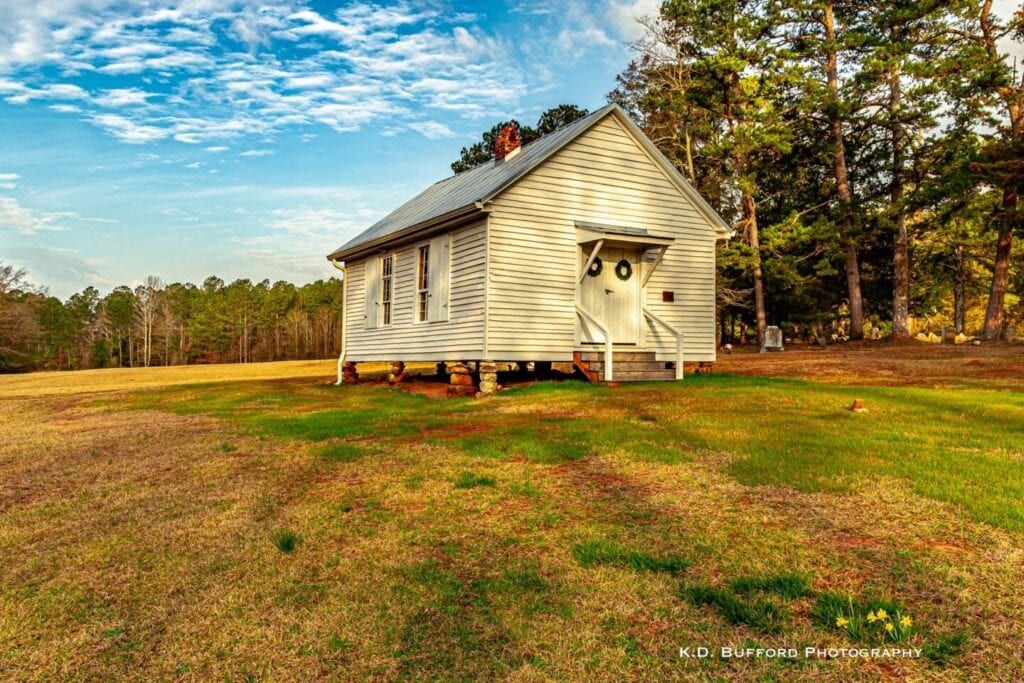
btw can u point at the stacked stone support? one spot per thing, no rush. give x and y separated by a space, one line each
349 374
488 378
460 382
397 372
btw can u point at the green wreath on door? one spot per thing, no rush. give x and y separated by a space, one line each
624 270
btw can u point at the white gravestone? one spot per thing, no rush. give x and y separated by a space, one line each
772 339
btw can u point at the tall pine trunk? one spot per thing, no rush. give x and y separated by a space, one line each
750 211
843 191
995 313
901 247
959 288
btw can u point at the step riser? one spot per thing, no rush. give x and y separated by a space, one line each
630 366
625 356
659 376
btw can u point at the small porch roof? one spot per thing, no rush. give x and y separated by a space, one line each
612 235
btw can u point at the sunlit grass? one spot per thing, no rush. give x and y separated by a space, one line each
289 529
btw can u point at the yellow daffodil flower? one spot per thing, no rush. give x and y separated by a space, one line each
889 627
882 614
905 622
842 621
872 617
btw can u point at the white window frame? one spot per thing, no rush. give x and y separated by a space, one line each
422 294
386 314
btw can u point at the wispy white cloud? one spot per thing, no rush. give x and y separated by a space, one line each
215 72
180 214
63 265
256 153
310 221
26 221
432 130
624 16
122 97
295 236
9 181
127 130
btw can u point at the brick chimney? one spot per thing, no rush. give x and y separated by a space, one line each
508 142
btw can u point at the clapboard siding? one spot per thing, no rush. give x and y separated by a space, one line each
604 176
459 337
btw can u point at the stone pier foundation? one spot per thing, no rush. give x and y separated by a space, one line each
488 378
460 382
349 374
397 372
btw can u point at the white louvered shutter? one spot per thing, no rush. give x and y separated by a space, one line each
371 313
440 265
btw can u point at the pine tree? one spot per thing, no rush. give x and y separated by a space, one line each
710 67
827 37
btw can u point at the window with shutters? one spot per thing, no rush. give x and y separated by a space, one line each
423 284
387 265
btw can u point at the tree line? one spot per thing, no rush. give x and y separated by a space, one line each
868 153
158 324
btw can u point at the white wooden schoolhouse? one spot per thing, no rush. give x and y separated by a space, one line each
583 246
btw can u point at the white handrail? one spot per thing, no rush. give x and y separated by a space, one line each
679 340
608 352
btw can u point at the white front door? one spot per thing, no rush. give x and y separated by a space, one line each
612 297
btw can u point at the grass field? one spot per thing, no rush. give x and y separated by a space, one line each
257 523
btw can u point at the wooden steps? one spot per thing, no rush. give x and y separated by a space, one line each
629 366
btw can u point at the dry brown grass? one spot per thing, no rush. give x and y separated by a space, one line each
133 379
883 363
136 537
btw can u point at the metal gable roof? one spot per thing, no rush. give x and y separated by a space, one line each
465 189
459 195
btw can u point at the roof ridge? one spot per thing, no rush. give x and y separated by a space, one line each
461 191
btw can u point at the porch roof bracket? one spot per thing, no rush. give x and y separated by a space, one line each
654 266
593 255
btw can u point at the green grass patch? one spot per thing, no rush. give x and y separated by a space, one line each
540 440
469 480
760 614
285 540
526 488
943 648
340 452
459 620
964 447
783 585
594 553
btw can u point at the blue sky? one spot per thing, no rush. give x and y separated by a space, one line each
249 139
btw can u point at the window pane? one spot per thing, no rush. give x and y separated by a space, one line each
385 281
422 283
